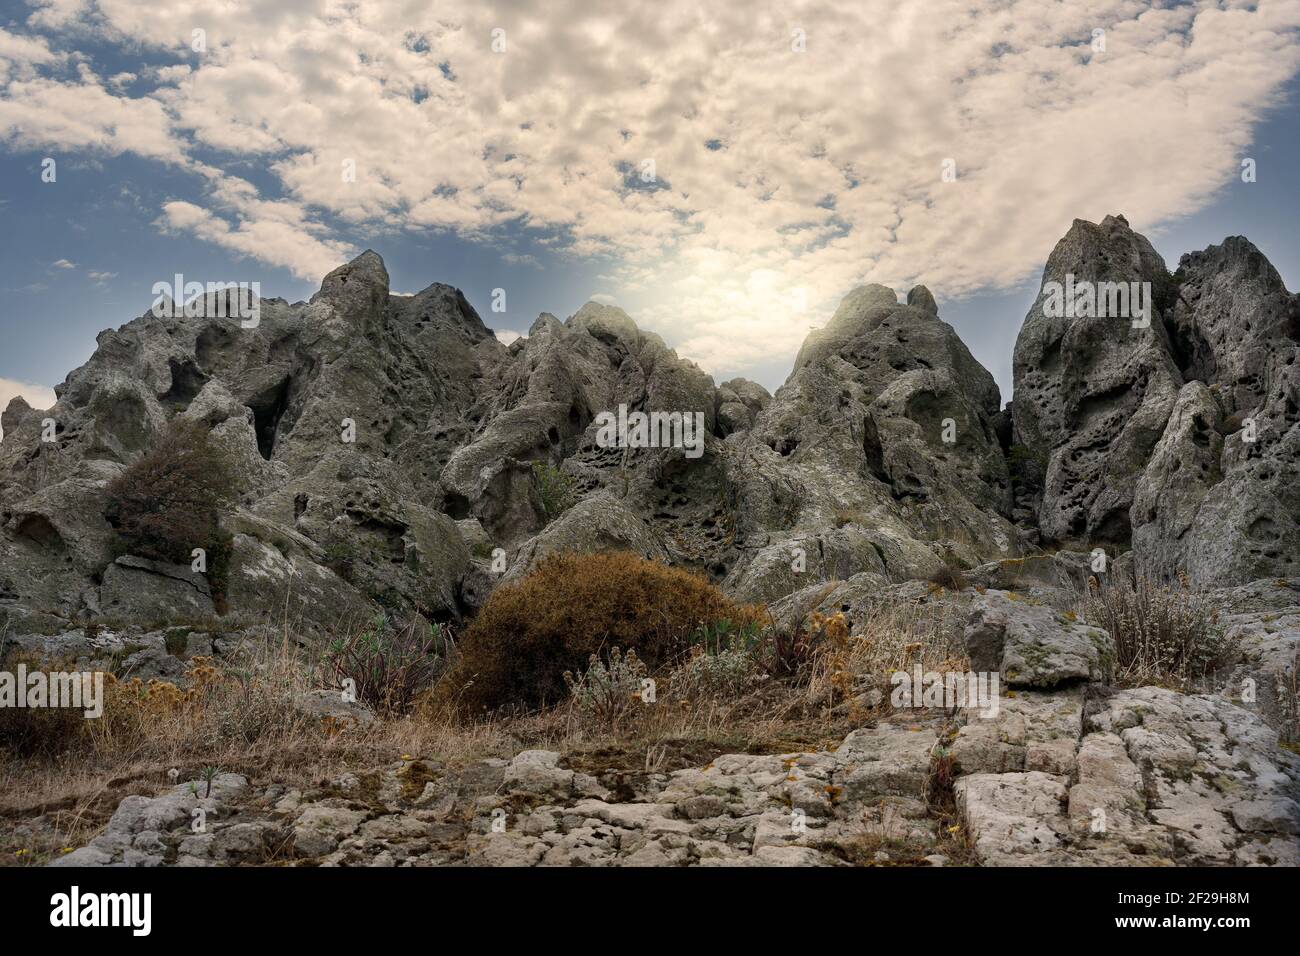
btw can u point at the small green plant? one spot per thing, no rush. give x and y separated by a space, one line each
608 692
556 490
1028 468
1166 290
176 640
724 635
390 667
723 674
786 652
207 775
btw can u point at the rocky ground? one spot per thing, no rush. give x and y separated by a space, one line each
1072 770
1136 777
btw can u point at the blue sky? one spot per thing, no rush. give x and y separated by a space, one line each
220 164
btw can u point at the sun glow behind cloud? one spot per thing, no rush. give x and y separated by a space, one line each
783 176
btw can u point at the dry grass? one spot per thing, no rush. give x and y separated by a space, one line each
892 638
245 715
1165 633
949 578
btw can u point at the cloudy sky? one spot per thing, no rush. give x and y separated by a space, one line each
725 171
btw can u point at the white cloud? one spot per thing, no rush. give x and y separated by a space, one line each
63 264
517 259
276 240
828 167
37 396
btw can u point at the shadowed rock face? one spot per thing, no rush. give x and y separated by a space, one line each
1092 392
1221 495
886 453
1179 440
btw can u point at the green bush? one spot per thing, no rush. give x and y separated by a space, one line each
167 502
555 489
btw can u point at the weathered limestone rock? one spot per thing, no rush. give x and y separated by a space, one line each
1158 778
1181 438
1093 392
1034 645
136 588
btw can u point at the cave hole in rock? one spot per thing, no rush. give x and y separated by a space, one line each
187 381
268 408
40 529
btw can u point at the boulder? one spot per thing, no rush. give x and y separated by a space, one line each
140 589
1033 645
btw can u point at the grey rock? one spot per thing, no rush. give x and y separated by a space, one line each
318 829
1034 645
322 704
153 590
1180 439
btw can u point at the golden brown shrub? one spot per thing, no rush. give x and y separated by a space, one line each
570 607
27 732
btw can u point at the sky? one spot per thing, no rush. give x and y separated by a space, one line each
724 172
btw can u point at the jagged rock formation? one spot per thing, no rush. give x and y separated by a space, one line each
1092 392
881 455
406 370
1180 439
885 453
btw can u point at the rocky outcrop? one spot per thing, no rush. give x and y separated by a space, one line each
1180 437
338 414
538 809
1032 645
879 454
1221 500
1073 776
394 456
1094 386
1142 777
391 453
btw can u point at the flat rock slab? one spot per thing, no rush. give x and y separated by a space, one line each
1158 778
